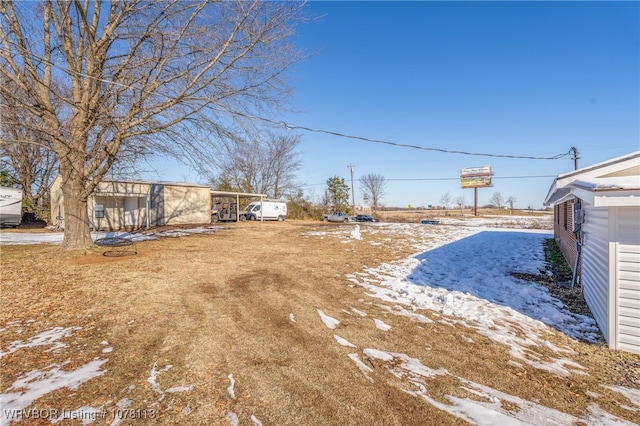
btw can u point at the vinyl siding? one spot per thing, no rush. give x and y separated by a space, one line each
628 278
595 265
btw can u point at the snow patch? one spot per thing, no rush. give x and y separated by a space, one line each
343 342
330 322
633 395
37 383
230 389
365 369
46 338
381 325
233 419
14 238
362 314
153 381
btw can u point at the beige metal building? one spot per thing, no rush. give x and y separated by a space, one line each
123 204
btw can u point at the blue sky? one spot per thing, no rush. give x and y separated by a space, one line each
507 78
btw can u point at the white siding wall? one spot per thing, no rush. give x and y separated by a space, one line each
595 265
628 278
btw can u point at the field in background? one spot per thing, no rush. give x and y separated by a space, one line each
414 215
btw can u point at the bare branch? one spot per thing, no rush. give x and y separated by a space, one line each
372 186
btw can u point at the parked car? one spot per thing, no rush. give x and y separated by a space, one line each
366 218
337 217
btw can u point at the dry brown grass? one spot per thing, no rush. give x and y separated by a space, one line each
415 215
219 304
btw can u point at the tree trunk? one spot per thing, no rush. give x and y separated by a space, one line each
77 235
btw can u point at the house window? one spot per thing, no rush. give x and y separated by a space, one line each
565 211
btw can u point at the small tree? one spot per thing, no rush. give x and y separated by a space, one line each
511 201
372 187
446 201
6 179
300 206
496 200
338 194
460 202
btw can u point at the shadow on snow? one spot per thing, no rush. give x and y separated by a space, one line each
480 265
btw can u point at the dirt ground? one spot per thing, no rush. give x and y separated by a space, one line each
235 315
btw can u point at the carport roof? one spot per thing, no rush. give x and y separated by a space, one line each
153 182
236 194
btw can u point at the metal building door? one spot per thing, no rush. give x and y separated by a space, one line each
131 211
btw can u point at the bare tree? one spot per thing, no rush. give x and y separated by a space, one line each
138 78
460 202
446 200
496 200
511 201
372 187
260 165
26 153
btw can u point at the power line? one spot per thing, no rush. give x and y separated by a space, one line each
289 126
458 178
396 144
524 177
450 178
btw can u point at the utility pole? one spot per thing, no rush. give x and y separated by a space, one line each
353 193
575 157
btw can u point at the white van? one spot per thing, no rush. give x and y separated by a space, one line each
265 210
10 206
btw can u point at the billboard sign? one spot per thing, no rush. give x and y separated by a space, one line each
476 177
476 171
475 182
